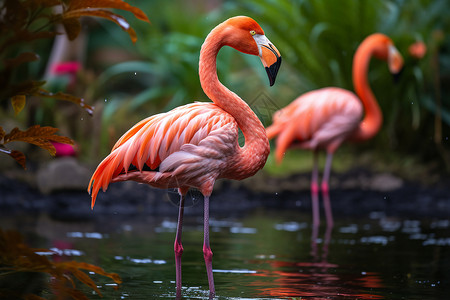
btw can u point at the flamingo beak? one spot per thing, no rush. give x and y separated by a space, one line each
395 60
270 57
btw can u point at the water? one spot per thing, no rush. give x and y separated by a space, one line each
261 255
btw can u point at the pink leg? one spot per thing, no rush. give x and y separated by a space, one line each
325 190
178 247
207 253
315 191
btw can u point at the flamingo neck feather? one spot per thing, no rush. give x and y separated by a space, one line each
256 143
373 118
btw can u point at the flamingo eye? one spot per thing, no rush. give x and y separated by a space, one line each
252 32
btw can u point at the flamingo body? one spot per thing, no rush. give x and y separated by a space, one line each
325 118
189 146
196 144
319 119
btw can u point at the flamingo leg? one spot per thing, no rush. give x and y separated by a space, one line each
207 253
315 191
178 247
325 190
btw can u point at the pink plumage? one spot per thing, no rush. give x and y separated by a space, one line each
196 144
323 119
190 145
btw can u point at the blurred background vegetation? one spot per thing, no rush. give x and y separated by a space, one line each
126 82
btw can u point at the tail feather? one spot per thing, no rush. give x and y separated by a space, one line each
283 142
110 167
273 130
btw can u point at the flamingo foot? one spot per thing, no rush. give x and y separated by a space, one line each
178 252
207 254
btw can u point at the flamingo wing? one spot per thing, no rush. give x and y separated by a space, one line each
186 146
322 118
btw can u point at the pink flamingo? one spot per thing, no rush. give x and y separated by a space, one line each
324 118
196 144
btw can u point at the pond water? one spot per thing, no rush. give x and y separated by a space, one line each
265 254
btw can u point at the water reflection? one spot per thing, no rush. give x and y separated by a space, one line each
260 255
316 277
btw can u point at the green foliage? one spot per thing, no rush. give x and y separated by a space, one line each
166 73
25 23
318 38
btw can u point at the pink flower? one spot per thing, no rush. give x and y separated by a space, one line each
64 149
70 67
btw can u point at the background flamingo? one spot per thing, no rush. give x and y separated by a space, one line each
195 144
324 118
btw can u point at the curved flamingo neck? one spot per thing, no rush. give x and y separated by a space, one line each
249 159
373 118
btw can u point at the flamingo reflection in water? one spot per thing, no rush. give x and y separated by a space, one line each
313 277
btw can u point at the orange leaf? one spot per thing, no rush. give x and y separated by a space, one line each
102 13
19 157
18 103
72 27
39 136
63 96
99 271
20 59
118 4
84 278
2 133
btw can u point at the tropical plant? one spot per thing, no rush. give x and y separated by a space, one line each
25 23
318 38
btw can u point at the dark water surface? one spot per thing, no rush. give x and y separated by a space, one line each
265 254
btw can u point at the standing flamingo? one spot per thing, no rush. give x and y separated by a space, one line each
195 144
324 118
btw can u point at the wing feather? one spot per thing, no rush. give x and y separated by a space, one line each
158 137
318 117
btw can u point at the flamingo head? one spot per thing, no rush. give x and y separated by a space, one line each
386 50
245 35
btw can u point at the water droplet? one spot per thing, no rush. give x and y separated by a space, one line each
134 73
106 100
82 119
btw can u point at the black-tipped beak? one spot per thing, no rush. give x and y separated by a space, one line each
397 75
395 62
271 60
272 70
